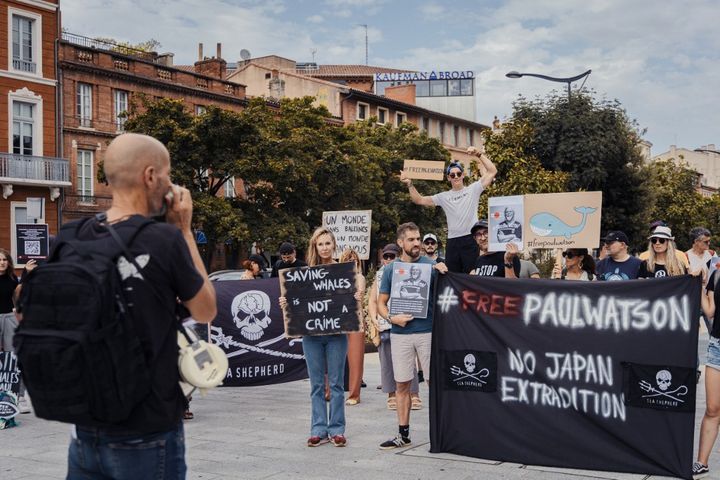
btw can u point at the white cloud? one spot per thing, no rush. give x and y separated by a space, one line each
315 19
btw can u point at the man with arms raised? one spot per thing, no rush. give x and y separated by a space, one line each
150 443
460 204
410 337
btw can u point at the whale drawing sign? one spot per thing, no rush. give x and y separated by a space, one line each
558 220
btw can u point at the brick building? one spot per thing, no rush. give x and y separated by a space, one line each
30 163
99 80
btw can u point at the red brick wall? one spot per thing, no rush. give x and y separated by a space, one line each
401 93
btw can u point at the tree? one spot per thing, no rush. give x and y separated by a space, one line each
147 46
597 144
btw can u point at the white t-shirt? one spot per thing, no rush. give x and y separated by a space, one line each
699 263
461 208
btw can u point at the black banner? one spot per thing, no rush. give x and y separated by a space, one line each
321 300
9 373
589 375
249 327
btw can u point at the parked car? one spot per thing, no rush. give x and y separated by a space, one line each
223 275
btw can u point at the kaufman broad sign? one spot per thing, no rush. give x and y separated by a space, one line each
591 375
351 229
321 300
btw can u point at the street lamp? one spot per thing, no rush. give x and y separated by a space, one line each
567 80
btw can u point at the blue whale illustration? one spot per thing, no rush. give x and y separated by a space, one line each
546 224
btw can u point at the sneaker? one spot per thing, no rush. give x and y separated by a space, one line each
397 442
699 470
23 405
338 440
317 441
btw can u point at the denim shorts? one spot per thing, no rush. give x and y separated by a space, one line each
713 354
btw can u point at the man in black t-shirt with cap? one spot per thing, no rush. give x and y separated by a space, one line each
288 259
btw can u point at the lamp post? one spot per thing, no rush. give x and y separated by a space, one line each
567 80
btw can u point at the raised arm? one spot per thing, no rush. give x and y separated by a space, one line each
414 194
488 165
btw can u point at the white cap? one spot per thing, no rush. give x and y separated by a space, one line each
431 236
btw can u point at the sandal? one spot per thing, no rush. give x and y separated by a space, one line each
352 401
188 415
391 403
416 403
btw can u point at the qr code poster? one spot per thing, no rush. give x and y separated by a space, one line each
32 242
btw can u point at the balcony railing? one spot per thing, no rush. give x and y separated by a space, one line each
24 65
28 167
107 46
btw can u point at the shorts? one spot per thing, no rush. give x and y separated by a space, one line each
713 354
407 347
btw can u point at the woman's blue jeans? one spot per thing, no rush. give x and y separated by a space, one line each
326 354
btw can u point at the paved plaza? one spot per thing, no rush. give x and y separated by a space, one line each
260 433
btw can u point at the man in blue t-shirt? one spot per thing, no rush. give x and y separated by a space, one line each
618 265
410 337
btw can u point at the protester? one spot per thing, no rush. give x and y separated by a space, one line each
356 340
288 259
460 205
711 419
151 441
681 256
579 265
494 264
411 337
662 260
528 269
700 254
325 353
431 248
387 374
254 267
618 265
8 283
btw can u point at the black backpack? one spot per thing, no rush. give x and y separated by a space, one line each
79 354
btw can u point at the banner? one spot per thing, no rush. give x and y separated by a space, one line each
563 220
410 290
424 169
9 389
589 375
321 300
505 222
249 327
351 229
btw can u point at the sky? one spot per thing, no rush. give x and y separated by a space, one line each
661 60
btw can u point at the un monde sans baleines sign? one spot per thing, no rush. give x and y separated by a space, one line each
431 75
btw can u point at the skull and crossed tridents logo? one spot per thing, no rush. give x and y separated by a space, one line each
664 390
251 313
470 374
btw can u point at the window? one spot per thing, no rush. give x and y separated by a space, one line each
22 44
400 118
200 109
383 115
23 128
441 133
453 88
229 188
426 125
438 88
470 137
85 174
121 106
466 86
422 89
456 136
362 111
84 104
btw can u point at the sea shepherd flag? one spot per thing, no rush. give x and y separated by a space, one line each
590 375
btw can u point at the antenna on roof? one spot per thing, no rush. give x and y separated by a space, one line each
313 51
366 41
245 54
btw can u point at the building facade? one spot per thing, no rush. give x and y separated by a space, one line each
99 81
704 160
31 163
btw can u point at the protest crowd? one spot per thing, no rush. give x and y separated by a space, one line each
166 275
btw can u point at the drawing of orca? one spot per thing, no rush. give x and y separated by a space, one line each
546 224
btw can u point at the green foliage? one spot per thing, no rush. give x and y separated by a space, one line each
596 143
151 45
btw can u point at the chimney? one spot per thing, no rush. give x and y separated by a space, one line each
165 59
219 50
276 85
200 52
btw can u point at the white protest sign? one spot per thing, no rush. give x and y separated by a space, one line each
351 229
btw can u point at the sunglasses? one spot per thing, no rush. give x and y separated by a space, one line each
654 240
388 256
706 242
430 242
454 175
483 233
570 255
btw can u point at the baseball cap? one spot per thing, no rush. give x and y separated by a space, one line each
616 236
478 225
431 236
662 232
287 248
391 248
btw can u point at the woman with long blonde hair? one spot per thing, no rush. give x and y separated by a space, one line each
662 260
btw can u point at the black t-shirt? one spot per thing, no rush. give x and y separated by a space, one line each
493 265
279 265
660 271
716 294
160 250
7 287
